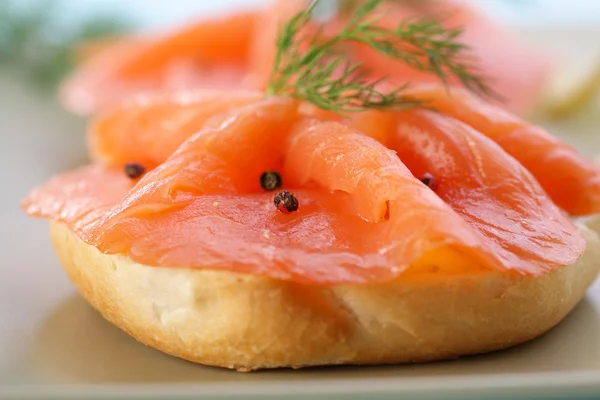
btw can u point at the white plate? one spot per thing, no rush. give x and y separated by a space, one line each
52 345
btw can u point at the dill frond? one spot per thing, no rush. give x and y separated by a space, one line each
309 67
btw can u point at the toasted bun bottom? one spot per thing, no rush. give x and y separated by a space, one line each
246 322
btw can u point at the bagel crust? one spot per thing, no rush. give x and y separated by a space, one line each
247 322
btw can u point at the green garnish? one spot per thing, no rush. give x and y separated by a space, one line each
37 38
349 6
320 75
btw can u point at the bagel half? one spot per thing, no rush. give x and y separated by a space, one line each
246 322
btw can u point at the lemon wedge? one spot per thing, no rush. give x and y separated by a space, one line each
573 88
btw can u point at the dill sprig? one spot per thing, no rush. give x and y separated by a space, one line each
346 7
309 68
427 46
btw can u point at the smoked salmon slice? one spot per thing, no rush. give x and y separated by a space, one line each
80 198
219 40
572 181
363 216
263 47
487 187
244 54
186 58
149 129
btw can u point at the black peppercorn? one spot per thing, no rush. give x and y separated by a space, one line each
270 181
429 180
286 202
134 170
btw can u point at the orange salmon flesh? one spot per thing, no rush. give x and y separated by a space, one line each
464 186
364 214
238 51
